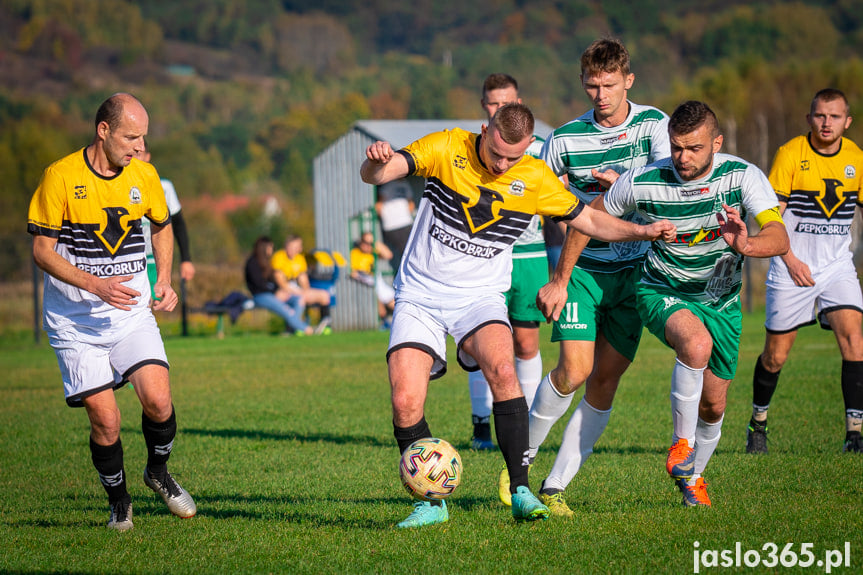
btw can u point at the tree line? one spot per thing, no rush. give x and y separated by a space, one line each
243 95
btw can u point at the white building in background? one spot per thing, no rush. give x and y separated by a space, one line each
344 204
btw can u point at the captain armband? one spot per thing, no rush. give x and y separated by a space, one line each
771 215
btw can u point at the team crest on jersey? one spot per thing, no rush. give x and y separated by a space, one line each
850 171
804 165
459 161
482 214
81 192
516 188
134 195
116 228
831 196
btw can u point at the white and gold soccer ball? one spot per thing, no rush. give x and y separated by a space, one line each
430 469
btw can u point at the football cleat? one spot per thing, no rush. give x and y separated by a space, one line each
556 504
526 507
681 460
481 439
323 327
756 437
853 442
426 513
694 495
121 515
481 444
503 485
178 500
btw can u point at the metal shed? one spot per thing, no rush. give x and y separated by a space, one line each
344 204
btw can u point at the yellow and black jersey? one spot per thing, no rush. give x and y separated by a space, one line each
821 194
469 219
97 223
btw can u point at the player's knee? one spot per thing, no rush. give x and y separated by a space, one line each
696 351
851 347
773 360
711 408
500 373
569 379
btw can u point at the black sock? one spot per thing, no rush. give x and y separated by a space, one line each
481 427
511 429
407 435
763 384
108 461
852 388
159 438
325 312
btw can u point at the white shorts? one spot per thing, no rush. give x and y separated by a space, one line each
425 327
89 365
791 307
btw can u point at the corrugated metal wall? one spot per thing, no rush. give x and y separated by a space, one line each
341 195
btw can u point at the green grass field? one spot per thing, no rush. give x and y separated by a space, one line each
287 446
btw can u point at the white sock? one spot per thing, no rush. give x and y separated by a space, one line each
585 426
529 373
706 439
686 385
480 394
548 406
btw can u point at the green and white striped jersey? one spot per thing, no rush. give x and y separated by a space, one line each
531 243
579 146
698 265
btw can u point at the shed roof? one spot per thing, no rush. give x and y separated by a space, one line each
400 133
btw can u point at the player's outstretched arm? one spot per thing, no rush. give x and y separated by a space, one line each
552 297
596 223
382 164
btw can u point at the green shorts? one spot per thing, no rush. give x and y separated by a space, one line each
601 302
528 275
724 323
151 273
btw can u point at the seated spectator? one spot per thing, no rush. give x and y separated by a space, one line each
291 262
263 283
364 270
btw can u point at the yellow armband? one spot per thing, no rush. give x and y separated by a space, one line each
771 215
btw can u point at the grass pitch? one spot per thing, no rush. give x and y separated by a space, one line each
287 447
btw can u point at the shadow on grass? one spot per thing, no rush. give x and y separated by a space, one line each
310 437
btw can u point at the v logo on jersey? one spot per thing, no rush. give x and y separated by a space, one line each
831 197
482 214
115 231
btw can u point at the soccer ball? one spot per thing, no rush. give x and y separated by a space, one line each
430 469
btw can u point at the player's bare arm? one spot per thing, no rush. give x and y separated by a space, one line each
797 268
382 164
163 252
597 223
552 297
111 290
772 240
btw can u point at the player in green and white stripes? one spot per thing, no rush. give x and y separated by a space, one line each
688 295
593 304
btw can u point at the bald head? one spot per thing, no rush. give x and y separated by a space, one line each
113 109
121 124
